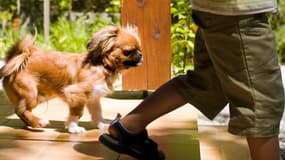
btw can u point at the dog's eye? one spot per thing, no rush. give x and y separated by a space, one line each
129 52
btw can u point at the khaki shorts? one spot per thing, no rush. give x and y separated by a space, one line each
236 63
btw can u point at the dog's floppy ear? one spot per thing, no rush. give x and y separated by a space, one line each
100 44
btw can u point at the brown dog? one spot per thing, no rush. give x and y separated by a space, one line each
32 76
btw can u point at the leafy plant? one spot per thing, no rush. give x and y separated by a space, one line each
114 10
10 33
72 36
182 36
278 22
280 40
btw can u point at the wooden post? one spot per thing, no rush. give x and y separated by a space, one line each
152 17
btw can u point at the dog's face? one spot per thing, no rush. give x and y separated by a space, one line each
115 48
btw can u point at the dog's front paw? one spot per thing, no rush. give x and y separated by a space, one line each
74 128
103 125
44 122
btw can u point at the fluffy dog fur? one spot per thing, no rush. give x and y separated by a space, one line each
31 76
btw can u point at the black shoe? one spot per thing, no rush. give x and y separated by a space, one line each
139 146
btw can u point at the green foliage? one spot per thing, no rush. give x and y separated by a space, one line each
8 5
278 24
182 36
5 16
9 35
113 10
114 7
7 41
69 36
280 40
65 5
69 32
73 35
65 35
278 19
33 9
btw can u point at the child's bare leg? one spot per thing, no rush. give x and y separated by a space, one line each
264 148
162 101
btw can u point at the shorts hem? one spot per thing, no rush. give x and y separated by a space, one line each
250 133
176 83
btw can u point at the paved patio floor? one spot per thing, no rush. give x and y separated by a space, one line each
176 133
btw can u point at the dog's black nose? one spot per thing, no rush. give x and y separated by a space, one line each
139 55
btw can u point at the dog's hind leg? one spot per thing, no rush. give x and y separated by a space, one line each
22 93
24 112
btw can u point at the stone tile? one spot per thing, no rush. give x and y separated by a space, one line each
91 150
6 107
176 133
3 120
21 149
177 143
235 151
27 134
90 135
212 154
216 142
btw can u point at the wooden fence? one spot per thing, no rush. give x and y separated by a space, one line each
153 20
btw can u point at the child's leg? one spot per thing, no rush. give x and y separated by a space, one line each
162 101
264 148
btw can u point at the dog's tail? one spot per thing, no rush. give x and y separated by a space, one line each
18 55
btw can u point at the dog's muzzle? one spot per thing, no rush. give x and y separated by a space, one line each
134 60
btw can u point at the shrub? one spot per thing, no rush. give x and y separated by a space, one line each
182 36
73 35
280 41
